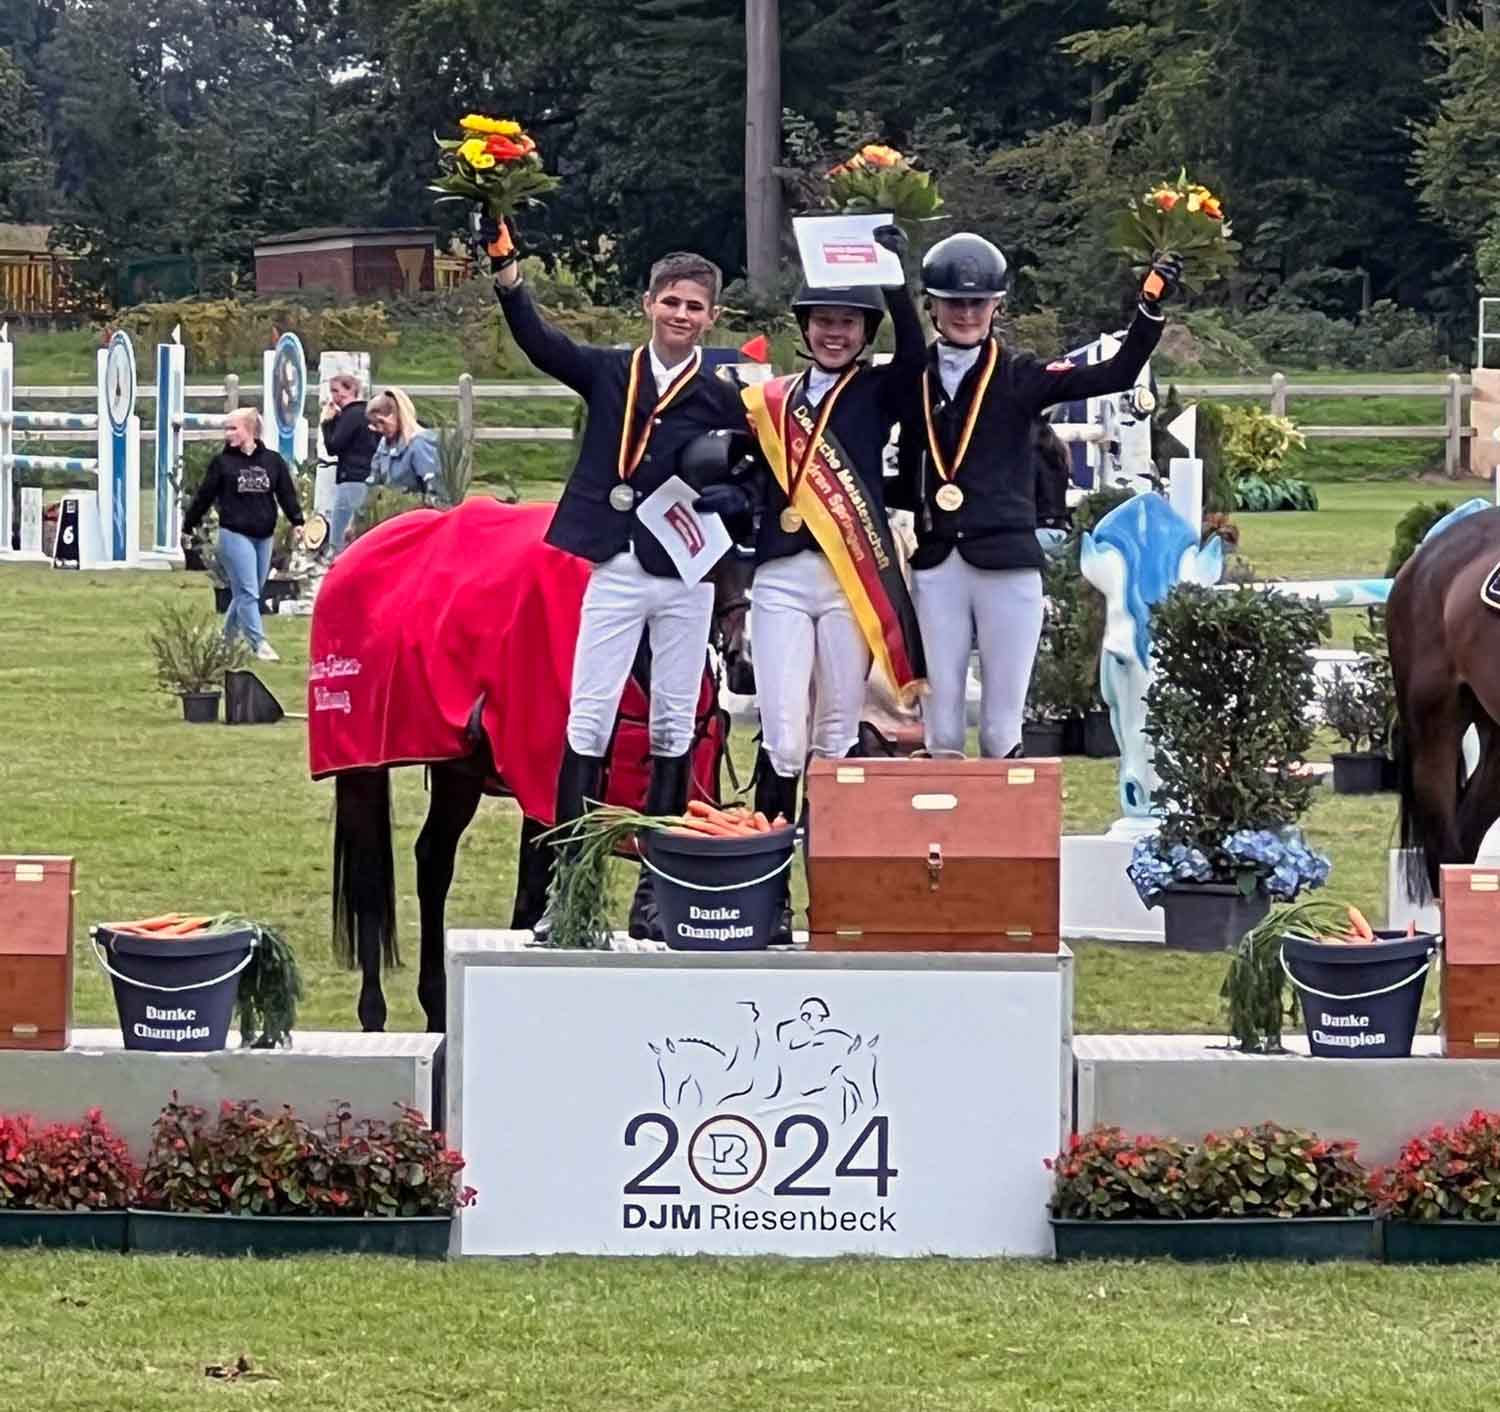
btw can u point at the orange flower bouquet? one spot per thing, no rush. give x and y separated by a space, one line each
494 163
879 178
1181 217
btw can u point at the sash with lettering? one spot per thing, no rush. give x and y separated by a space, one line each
854 535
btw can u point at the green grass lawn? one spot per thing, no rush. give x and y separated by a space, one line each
165 816
135 1334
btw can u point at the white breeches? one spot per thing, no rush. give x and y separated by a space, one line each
805 644
621 599
1001 608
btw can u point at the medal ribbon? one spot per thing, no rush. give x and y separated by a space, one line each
795 472
630 456
945 471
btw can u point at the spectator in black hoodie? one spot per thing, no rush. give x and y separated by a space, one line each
347 436
244 482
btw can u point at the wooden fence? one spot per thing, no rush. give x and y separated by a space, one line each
1278 393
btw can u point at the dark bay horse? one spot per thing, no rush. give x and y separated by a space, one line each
364 878
1445 657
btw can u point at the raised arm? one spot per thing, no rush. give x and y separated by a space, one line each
551 351
1044 386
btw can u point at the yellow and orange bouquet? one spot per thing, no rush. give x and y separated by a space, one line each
1184 218
494 163
879 178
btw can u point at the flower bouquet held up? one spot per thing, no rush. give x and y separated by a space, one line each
495 164
879 178
1183 218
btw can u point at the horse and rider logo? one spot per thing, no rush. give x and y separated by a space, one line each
804 1061
1490 594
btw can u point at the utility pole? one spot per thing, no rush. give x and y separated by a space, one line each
762 142
1491 10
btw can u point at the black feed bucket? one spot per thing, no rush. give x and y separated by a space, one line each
719 894
1360 1001
174 996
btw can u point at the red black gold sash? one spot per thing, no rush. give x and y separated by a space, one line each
849 529
631 449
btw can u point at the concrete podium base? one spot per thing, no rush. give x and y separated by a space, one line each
1184 1086
369 1072
1098 900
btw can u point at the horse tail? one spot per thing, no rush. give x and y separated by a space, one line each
1421 852
364 866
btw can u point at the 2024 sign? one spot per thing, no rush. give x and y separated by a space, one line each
728 1154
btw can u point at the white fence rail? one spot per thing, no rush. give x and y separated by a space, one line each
1277 392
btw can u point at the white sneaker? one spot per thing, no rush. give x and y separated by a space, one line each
266 653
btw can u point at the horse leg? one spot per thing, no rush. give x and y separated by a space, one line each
533 876
364 886
450 810
1479 805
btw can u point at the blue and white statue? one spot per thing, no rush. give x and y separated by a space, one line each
1136 554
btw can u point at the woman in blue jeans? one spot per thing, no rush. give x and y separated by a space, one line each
245 482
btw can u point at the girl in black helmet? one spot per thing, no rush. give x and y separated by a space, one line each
967 470
829 596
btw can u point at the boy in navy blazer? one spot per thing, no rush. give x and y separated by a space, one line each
644 406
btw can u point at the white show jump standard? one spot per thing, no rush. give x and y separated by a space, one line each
284 425
109 519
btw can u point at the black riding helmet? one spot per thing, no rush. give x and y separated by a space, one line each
866 298
714 458
964 266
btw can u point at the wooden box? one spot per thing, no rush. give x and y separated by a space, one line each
934 855
1470 996
36 952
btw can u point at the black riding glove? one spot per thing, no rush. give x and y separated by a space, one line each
892 238
498 242
723 500
1161 283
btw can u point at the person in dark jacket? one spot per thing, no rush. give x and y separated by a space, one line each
1054 474
829 594
245 482
644 406
968 471
348 437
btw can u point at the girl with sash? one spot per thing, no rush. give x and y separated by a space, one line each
968 442
644 406
829 597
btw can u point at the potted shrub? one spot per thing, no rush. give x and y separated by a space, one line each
64 1184
1060 682
1441 1197
1044 724
1357 708
251 1182
192 654
1227 720
1265 1192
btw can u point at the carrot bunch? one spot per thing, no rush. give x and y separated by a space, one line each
169 924
704 821
1361 932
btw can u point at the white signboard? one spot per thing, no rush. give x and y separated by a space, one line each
791 1111
695 542
838 251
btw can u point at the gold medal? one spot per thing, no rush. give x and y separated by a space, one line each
949 497
622 498
791 521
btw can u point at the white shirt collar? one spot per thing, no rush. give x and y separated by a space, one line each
666 376
954 363
818 382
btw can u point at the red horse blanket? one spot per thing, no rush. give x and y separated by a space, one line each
434 620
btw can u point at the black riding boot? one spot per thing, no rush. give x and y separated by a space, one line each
666 793
776 794
578 782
